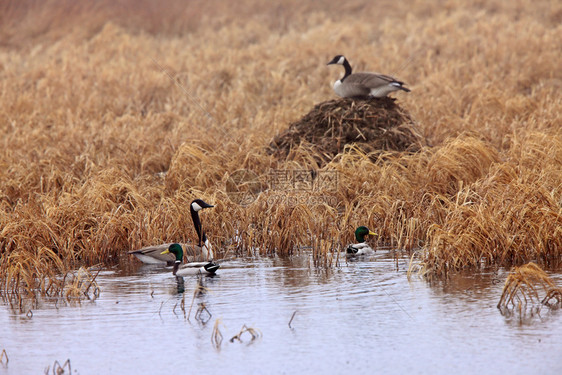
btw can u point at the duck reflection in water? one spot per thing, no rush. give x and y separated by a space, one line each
200 288
180 284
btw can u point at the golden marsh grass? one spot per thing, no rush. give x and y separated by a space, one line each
524 286
102 153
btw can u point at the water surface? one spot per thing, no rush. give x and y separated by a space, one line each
363 317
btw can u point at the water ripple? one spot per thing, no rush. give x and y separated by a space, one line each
364 317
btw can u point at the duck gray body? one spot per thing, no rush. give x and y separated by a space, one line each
374 85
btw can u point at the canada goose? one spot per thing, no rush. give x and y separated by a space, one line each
153 254
361 247
364 84
193 268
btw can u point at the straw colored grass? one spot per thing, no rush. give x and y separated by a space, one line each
254 334
59 369
102 152
523 288
216 335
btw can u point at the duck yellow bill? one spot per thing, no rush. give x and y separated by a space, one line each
165 252
372 233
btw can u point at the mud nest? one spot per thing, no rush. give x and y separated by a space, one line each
371 124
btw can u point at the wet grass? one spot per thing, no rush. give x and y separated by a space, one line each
523 285
59 369
254 334
102 153
523 290
216 335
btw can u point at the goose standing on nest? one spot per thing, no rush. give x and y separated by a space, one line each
353 85
154 254
361 247
193 268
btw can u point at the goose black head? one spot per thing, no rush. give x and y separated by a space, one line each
361 232
199 204
339 59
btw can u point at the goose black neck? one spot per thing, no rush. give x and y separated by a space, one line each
347 69
198 228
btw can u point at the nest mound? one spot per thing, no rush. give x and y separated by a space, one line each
375 124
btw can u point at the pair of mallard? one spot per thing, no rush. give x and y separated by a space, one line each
172 254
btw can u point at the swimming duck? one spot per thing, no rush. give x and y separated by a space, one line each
193 268
364 84
361 247
154 254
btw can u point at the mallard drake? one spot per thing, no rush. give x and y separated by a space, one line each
154 254
361 247
364 84
193 268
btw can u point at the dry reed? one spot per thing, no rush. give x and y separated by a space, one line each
254 334
197 291
2 356
102 153
216 335
523 286
291 320
553 298
200 314
58 369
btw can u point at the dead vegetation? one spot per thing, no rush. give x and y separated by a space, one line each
102 153
254 334
58 369
371 125
216 335
523 289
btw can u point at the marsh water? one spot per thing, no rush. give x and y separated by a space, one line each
363 317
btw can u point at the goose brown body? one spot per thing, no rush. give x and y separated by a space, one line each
153 254
364 84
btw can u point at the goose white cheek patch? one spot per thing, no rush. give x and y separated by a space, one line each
196 207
